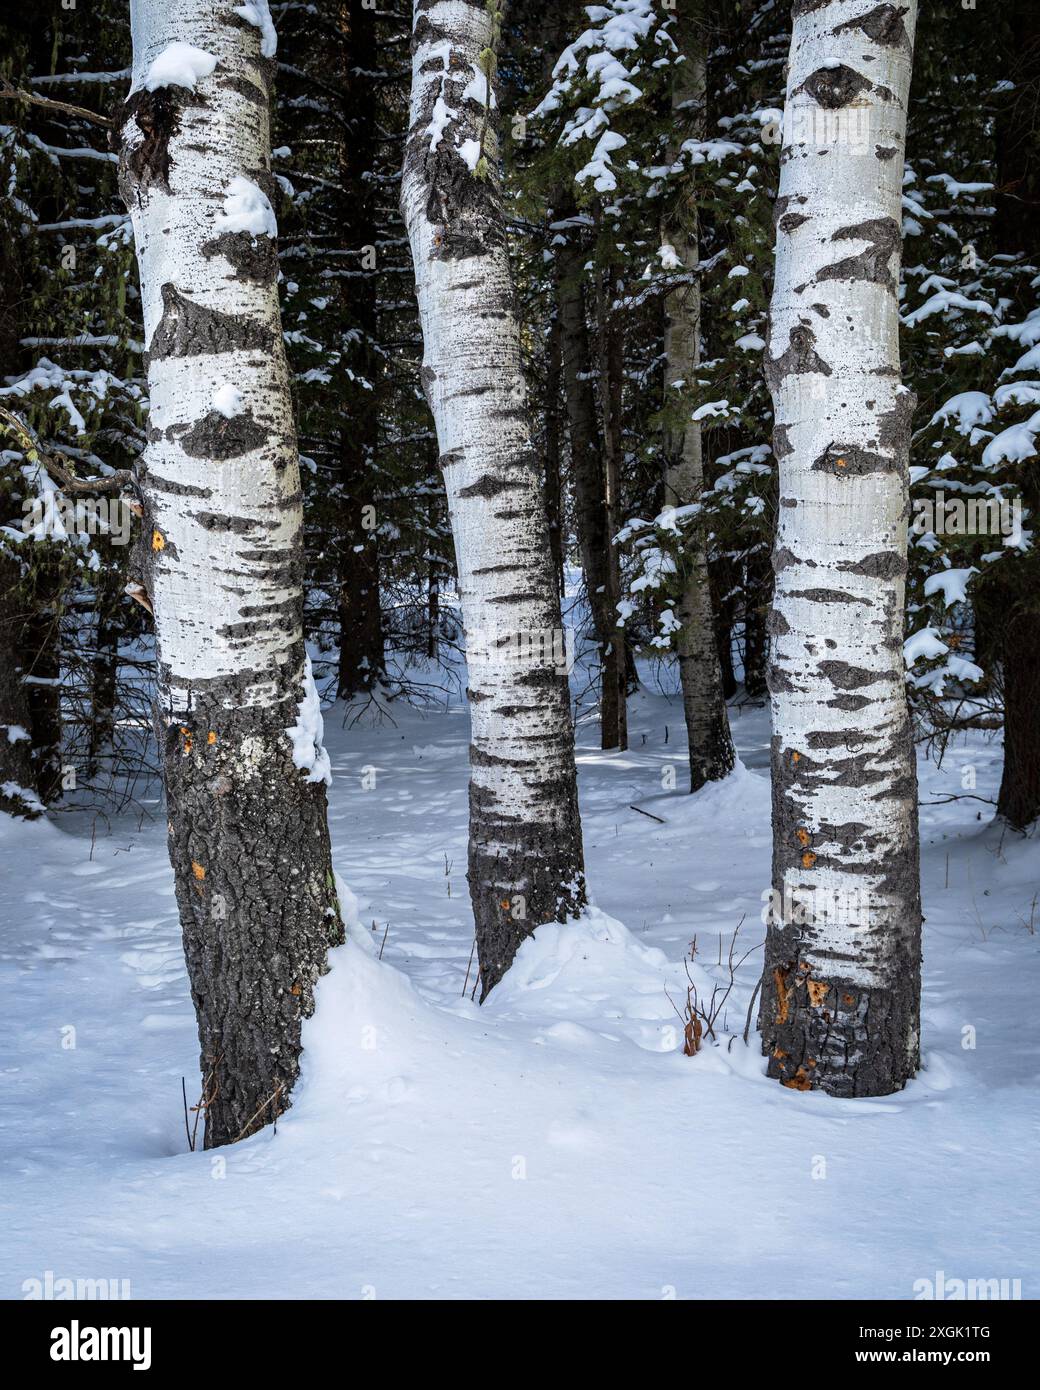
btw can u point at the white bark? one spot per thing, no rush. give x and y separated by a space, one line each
841 990
220 558
215 530
525 843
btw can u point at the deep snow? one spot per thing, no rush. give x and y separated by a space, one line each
555 1142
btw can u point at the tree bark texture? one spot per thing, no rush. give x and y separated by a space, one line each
841 989
220 560
525 856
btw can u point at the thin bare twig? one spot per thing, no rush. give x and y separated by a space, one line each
13 93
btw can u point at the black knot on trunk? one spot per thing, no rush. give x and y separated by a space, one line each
835 87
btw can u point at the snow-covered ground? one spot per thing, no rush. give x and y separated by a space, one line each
556 1142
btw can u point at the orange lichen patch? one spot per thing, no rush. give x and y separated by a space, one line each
842 463
211 737
186 736
818 991
802 835
848 1000
796 757
808 859
783 995
158 540
198 871
798 1082
779 1053
295 989
504 904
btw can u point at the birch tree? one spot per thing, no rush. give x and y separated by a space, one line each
525 855
220 559
841 989
700 672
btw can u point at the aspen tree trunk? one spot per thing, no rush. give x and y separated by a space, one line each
611 371
361 652
553 489
722 577
841 989
1014 606
18 794
704 705
41 665
758 592
221 557
104 674
589 475
525 859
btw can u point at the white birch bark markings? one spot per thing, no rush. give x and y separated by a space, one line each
525 862
220 559
840 999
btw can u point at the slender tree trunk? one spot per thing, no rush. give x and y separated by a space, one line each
1018 800
361 653
704 705
611 381
720 581
841 989
41 666
553 490
525 858
589 477
1010 606
18 794
222 559
104 672
1014 607
362 661
758 593
433 609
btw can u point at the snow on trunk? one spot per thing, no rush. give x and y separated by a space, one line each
700 671
525 857
841 989
220 559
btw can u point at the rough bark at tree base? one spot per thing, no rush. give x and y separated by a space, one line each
826 1032
250 850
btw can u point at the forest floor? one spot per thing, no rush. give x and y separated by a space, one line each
555 1142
